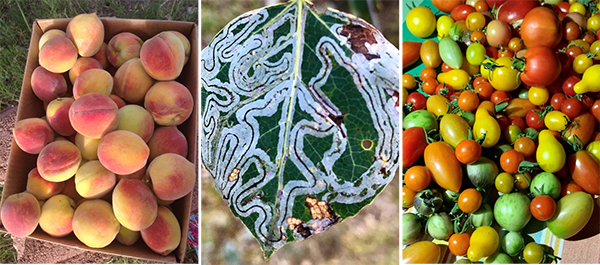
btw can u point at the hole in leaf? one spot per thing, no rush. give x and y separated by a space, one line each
366 144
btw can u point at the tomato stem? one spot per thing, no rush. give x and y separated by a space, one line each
526 166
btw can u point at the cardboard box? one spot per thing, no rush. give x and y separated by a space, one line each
20 163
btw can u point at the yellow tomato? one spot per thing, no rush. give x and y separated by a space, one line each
590 82
487 105
577 7
595 49
550 154
484 242
556 120
594 149
420 21
475 21
457 78
486 124
584 44
538 95
438 105
582 63
430 54
593 23
504 78
443 26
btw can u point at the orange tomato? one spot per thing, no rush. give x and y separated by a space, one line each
445 169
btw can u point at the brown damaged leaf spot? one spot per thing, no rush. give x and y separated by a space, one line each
318 209
293 222
234 174
357 36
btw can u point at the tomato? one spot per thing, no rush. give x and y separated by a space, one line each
573 212
459 244
450 53
430 54
411 228
504 182
409 53
481 6
571 31
595 110
438 105
585 171
488 106
557 100
408 81
512 211
569 84
533 253
484 242
460 12
562 9
467 151
545 183
512 243
538 95
475 21
590 81
421 252
475 53
550 154
593 23
429 85
571 107
556 120
428 72
492 53
417 101
595 49
443 26
420 118
556 86
457 78
542 66
408 197
540 27
482 172
594 149
468 101
484 90
453 129
478 37
582 63
522 181
517 121
415 141
417 178
515 44
570 188
519 107
486 124
590 38
506 53
542 207
499 96
509 161
469 200
446 6
420 21
504 77
533 120
498 33
525 146
577 7
515 10
445 169
586 102
511 132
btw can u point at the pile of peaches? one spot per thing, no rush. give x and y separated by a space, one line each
110 157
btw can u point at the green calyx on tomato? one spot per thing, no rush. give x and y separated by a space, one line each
428 201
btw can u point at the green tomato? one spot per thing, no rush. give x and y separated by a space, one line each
512 243
421 21
572 213
484 216
475 53
498 258
545 183
524 93
483 172
533 253
450 53
439 226
411 228
463 261
511 211
420 118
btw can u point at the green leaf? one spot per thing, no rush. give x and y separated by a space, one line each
300 119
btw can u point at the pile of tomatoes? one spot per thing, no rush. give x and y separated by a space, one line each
501 127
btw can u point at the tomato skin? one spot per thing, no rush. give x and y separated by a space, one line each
445 169
446 6
430 54
512 10
517 121
454 129
484 242
573 212
569 188
417 100
417 178
533 253
410 54
525 146
556 120
557 100
595 110
533 120
550 154
437 105
498 33
509 161
421 252
504 182
459 244
519 107
540 27
485 123
408 197
460 12
415 142
569 84
469 200
421 22
583 130
538 95
467 151
542 66
468 101
428 72
484 90
571 31
542 207
585 171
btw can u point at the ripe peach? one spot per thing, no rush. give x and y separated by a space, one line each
87 146
170 103
20 214
119 101
57 114
101 56
94 115
41 188
132 82
92 180
135 175
93 81
167 140
83 64
134 204
57 215
58 55
137 120
163 56
172 176
122 47
112 155
32 135
186 44
95 224
127 237
47 85
164 235
87 32
58 161
49 35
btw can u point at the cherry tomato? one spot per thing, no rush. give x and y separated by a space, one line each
461 12
525 146
509 161
595 110
421 21
586 102
468 100
408 197
538 95
491 52
469 200
573 51
484 242
515 44
484 90
498 33
556 120
475 21
571 31
499 96
467 151
571 107
569 188
408 81
428 72
582 63
584 128
522 181
445 169
417 100
511 133
446 6
568 85
542 66
505 53
533 120
415 142
585 171
533 253
459 244
534 35
542 207
589 38
444 90
478 80
556 86
517 121
446 68
557 100
443 25
429 85
504 182
577 7
481 6
421 252
417 178
478 36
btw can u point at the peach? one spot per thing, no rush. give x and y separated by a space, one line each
170 103
47 85
41 188
57 215
134 204
137 120
186 44
58 55
167 140
172 176
32 135
70 190
83 64
95 224
119 101
87 32
92 180
164 235
132 82
58 161
87 146
127 237
57 114
93 81
101 56
123 152
163 56
94 115
20 214
49 35
122 47
135 175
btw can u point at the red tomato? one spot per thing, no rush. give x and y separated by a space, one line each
573 51
414 143
569 188
542 207
571 31
444 90
410 53
495 3
525 146
446 68
568 85
570 107
446 6
586 102
502 121
542 66
428 72
429 85
510 160
467 151
484 90
491 52
499 96
589 37
417 178
518 121
519 107
469 200
533 120
595 110
460 12
562 9
468 100
585 171
556 86
445 169
418 101
583 130
459 243
541 26
556 100
513 10
478 80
